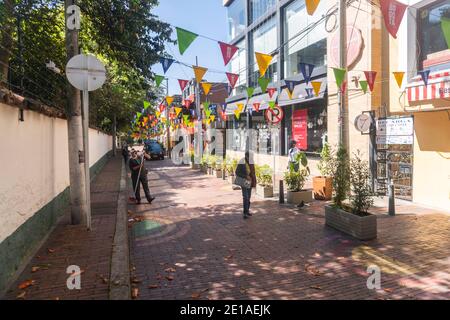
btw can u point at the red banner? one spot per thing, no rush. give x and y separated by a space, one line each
393 12
300 128
228 51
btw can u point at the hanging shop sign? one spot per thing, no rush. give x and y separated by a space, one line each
362 122
275 115
395 130
300 128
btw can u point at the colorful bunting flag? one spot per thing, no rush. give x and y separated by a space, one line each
199 73
272 104
339 75
207 113
138 115
206 87
263 61
158 80
370 77
183 84
250 91
178 110
240 107
316 87
206 105
169 100
309 92
399 77
232 79
237 113
186 118
187 103
263 83
363 84
157 113
271 91
290 85
185 38
307 70
228 51
445 25
212 118
393 12
146 105
166 63
424 74
256 106
311 6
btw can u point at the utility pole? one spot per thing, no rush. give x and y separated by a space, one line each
199 120
342 94
114 132
167 119
78 203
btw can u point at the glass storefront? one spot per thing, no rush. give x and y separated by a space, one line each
238 65
236 19
258 8
308 47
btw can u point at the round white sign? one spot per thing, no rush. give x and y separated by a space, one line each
85 72
362 122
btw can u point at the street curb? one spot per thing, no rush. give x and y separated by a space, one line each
119 284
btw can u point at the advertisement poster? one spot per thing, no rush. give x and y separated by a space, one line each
300 128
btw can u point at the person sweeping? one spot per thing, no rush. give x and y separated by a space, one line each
139 176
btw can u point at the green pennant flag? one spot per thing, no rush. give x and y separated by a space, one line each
339 75
186 118
263 83
445 25
158 80
207 113
250 92
185 38
138 115
272 104
146 105
363 84
206 105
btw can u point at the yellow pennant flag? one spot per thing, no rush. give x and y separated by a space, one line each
311 6
316 87
208 121
206 87
289 92
169 100
178 110
399 77
199 73
212 118
157 113
163 119
263 61
237 113
240 107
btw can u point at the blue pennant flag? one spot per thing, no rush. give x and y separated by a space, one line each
307 70
166 63
309 92
230 90
424 74
290 84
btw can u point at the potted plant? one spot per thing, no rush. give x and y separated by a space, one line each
264 185
351 180
295 180
204 163
231 168
218 167
323 185
193 164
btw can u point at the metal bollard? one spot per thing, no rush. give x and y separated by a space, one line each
223 174
391 200
281 196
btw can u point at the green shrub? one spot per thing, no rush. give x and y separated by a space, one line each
295 179
264 175
341 176
325 164
362 195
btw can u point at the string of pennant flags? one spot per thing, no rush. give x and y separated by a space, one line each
392 12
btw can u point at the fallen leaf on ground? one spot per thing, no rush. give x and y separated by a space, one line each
50 250
169 278
153 286
312 270
21 295
388 289
229 257
26 284
134 293
170 270
35 269
316 287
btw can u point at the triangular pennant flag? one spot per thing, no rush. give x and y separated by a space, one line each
166 63
169 100
309 92
263 83
237 113
223 115
186 118
263 61
272 104
138 115
232 79
162 107
178 110
199 73
290 85
228 51
207 113
363 84
399 77
424 74
250 91
271 91
206 87
316 87
158 80
307 70
146 105
185 38
206 105
212 118
240 107
339 76
187 103
445 25
256 106
370 77
311 6
183 84
393 12
157 113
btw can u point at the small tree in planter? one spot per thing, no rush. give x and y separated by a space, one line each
323 185
352 219
204 163
218 168
231 168
264 187
192 155
295 180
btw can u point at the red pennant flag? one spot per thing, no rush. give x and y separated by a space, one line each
187 103
228 51
370 77
256 106
162 107
223 115
183 84
232 78
271 91
393 12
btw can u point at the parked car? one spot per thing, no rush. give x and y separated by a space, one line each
155 150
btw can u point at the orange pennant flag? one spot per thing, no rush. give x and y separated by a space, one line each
206 87
311 6
178 110
263 61
316 87
237 113
169 100
399 77
157 113
240 107
199 73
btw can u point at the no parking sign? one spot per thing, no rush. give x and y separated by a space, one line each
275 115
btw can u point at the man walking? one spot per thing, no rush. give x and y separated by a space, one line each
139 175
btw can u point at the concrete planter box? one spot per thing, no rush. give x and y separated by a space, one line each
195 166
323 188
362 228
264 191
218 173
210 171
204 169
298 196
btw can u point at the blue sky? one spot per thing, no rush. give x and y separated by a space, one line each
204 17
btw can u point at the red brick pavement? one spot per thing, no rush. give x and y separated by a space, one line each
74 245
194 244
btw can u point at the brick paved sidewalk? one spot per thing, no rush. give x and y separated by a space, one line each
74 245
192 243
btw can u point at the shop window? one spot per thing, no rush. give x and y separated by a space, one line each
257 8
236 19
432 47
238 65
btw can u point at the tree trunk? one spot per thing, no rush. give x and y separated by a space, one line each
78 202
6 40
114 135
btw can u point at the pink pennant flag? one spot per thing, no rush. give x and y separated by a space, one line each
271 91
183 83
256 106
370 77
232 78
228 51
393 12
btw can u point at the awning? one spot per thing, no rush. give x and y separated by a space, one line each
438 87
300 94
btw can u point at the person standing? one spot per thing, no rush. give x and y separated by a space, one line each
125 153
293 151
139 175
246 179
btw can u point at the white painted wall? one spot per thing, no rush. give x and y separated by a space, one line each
34 163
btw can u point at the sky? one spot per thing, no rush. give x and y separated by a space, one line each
204 17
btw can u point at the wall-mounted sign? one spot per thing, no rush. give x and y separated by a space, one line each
395 139
395 127
354 44
362 122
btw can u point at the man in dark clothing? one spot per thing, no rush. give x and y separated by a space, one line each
139 175
246 170
125 153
